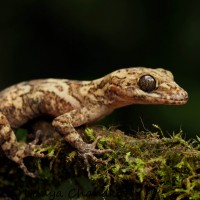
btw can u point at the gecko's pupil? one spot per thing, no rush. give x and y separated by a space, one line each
147 83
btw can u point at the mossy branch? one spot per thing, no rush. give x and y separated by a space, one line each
146 166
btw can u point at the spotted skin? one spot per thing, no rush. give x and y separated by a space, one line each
73 103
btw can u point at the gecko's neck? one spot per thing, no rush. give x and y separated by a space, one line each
98 90
95 90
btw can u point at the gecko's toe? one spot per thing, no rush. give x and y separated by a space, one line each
90 156
91 148
37 137
26 171
88 152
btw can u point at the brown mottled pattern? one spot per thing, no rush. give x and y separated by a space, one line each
74 103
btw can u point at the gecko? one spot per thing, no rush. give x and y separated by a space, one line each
73 103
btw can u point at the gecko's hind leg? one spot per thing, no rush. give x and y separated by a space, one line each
14 150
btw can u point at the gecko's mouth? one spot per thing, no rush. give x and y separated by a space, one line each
177 98
173 101
155 98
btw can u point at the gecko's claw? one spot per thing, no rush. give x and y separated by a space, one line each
89 151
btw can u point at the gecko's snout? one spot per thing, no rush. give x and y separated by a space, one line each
180 98
172 96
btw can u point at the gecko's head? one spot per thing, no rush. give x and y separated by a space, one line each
146 86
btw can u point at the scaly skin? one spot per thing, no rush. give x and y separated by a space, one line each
74 103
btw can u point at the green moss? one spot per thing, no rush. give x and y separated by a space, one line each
146 166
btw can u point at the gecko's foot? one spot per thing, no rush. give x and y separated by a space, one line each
29 150
88 152
19 156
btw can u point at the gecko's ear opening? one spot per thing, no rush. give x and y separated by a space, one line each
119 93
114 88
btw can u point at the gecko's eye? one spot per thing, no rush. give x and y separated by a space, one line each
147 83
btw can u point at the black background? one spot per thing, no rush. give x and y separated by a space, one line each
86 39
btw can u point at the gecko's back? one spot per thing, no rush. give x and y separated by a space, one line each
30 99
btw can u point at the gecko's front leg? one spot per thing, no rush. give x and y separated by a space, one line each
65 124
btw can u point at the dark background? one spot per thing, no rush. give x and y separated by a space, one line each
86 39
